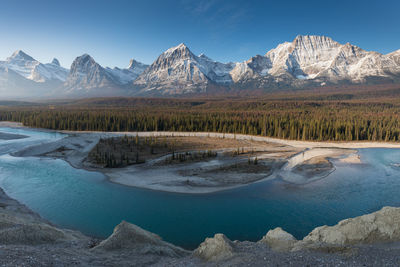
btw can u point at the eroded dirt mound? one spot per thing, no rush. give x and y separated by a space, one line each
128 236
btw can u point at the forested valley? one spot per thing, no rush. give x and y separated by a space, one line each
339 118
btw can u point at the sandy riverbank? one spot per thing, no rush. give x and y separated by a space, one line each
220 173
7 136
303 161
211 175
292 161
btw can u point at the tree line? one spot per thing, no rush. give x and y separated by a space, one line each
296 120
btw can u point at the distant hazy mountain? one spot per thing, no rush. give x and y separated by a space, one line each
32 69
21 75
307 61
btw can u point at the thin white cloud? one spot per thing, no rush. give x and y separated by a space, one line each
217 15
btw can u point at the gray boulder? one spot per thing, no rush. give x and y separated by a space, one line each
214 249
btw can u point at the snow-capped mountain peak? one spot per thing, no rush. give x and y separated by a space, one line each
306 61
180 71
20 55
83 64
316 58
180 51
180 46
55 62
136 66
176 68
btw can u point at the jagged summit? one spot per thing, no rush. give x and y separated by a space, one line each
179 51
315 40
20 55
84 61
180 46
55 62
133 65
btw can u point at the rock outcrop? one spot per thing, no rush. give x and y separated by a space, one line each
19 225
128 236
215 249
279 240
380 226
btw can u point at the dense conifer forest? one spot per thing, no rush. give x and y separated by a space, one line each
334 117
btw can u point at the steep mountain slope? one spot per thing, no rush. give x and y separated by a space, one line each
52 71
179 71
86 75
88 78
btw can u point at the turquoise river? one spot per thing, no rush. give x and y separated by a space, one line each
86 201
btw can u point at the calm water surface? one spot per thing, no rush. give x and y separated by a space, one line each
85 201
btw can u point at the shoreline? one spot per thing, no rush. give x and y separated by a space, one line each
28 239
293 143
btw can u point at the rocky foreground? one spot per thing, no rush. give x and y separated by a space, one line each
28 240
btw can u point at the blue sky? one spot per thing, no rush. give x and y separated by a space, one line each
115 31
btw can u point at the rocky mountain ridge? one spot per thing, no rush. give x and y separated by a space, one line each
307 61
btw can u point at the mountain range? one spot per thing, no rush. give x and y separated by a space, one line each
307 61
